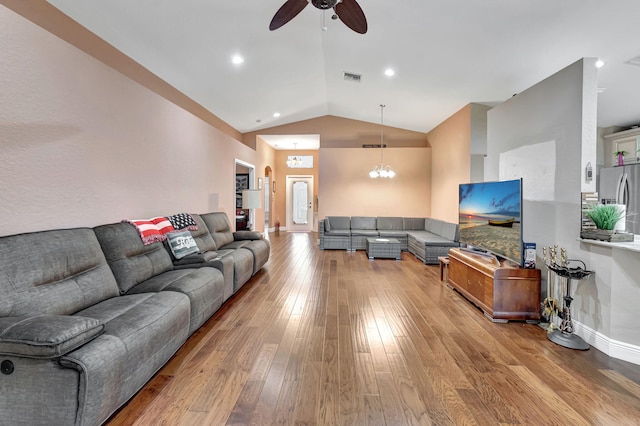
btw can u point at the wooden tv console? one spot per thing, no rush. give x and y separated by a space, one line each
503 290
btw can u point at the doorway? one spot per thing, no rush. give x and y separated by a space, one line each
299 203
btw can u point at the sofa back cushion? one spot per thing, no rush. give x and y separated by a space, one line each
435 227
202 235
363 222
57 272
338 223
450 231
413 223
131 261
219 228
390 224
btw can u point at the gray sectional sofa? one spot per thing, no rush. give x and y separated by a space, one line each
88 316
425 238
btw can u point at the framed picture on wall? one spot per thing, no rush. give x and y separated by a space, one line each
242 182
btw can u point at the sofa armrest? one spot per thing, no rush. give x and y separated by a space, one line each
196 258
246 235
46 336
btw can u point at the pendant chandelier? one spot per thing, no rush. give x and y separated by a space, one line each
381 170
295 161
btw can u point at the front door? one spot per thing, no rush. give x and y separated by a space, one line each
300 203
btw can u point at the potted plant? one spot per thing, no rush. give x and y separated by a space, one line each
620 155
605 216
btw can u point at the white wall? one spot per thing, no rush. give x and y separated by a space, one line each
546 135
82 145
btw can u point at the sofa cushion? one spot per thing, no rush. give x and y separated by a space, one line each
327 224
413 223
202 236
46 336
450 231
181 244
219 228
203 286
436 226
57 272
363 223
141 333
389 224
131 261
339 223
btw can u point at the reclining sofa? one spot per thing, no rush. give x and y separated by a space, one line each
88 316
425 238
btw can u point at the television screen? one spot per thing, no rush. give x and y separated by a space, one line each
490 217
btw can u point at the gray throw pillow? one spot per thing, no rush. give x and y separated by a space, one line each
182 244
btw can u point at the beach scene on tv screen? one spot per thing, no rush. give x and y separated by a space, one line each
490 217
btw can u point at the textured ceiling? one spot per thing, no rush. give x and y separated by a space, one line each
445 54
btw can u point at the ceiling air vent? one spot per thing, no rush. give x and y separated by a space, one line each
373 145
349 76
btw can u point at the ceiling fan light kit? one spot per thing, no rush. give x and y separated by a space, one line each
348 11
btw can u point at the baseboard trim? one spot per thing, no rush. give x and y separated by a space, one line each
613 348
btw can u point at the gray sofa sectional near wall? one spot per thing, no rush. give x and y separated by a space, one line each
425 238
88 316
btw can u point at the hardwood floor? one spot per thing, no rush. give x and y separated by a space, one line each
331 338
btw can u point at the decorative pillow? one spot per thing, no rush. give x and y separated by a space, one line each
327 227
183 221
182 244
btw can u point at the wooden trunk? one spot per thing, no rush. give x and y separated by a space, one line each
502 290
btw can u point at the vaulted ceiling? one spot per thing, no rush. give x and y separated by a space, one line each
445 54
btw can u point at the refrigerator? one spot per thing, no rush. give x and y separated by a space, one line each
621 185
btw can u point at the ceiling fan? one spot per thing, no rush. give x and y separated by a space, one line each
348 11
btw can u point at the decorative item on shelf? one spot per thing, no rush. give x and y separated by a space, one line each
294 161
382 170
606 217
251 200
620 155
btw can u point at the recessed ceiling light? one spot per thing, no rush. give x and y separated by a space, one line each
276 114
389 72
599 63
237 59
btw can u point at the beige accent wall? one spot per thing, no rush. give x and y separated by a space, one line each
347 190
451 142
82 144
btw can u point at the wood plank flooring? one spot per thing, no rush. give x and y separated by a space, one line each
331 338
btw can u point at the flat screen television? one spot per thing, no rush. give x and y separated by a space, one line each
490 218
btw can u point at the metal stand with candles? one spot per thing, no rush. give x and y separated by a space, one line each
564 336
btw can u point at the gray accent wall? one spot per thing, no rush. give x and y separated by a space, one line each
546 135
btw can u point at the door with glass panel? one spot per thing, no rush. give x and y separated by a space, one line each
299 203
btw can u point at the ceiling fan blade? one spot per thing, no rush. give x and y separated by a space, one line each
287 12
351 14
